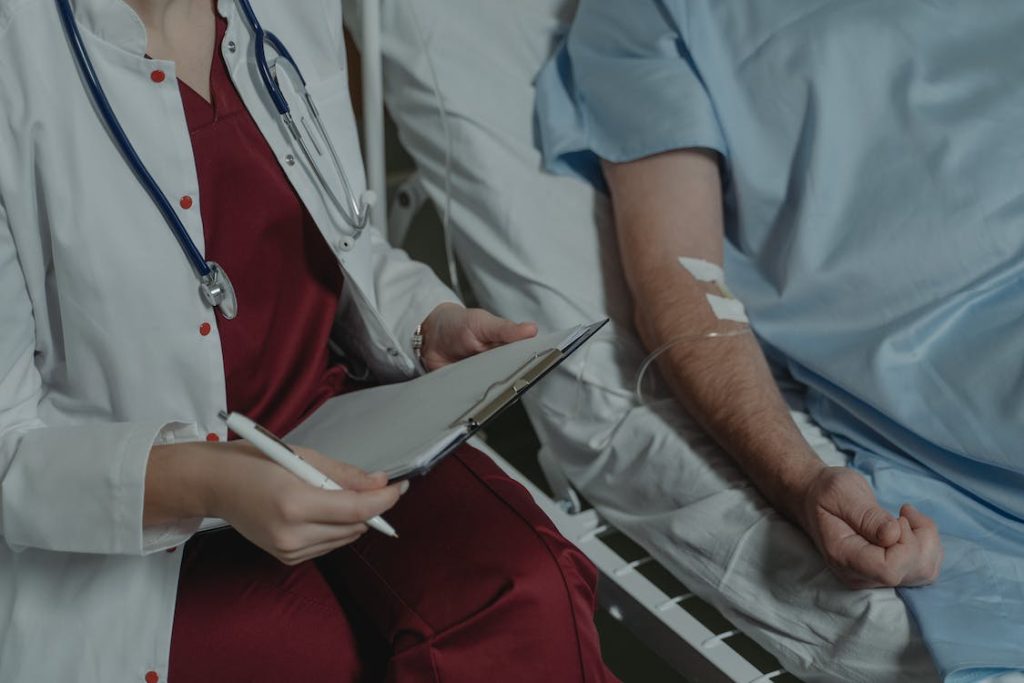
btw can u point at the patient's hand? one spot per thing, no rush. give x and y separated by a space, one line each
452 332
864 545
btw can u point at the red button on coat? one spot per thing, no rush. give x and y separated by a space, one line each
205 329
158 76
186 202
152 677
212 437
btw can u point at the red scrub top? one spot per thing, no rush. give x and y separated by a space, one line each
287 280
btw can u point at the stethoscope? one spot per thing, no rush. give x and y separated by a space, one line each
214 286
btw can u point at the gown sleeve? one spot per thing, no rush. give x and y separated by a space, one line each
621 86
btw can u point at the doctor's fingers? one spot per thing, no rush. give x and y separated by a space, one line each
495 331
347 507
321 541
343 474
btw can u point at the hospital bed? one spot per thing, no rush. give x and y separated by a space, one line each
661 612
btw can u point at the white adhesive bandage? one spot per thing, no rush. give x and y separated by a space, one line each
701 270
724 305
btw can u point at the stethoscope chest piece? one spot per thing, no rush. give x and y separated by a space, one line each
217 291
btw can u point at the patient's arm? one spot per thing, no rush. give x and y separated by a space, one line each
670 205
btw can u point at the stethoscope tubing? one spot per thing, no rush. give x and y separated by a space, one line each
92 81
355 215
260 37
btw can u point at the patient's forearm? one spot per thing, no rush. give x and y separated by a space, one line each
666 207
726 386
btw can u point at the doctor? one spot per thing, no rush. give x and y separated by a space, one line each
114 365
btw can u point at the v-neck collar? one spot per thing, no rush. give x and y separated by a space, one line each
224 100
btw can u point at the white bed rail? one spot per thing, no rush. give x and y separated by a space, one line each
373 113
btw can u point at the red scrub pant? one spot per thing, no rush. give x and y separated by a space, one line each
479 588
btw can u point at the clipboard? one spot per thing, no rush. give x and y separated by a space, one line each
405 429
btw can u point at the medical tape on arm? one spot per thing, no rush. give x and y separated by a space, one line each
724 305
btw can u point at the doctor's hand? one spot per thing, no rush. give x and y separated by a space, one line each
266 503
452 332
862 544
291 519
287 517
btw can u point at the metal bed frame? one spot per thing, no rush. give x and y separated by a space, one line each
659 619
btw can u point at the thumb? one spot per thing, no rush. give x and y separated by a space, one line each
495 330
343 474
878 526
856 504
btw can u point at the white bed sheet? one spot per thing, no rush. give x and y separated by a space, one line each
539 247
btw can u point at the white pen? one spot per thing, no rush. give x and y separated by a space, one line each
279 452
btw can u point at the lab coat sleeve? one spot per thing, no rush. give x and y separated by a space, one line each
72 488
407 290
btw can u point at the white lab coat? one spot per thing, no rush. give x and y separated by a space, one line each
100 351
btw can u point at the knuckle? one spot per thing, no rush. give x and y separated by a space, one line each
289 508
467 337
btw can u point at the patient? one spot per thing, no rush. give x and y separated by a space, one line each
854 168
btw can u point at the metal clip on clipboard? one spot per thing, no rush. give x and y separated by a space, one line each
521 380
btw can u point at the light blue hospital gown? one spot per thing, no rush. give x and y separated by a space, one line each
875 223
